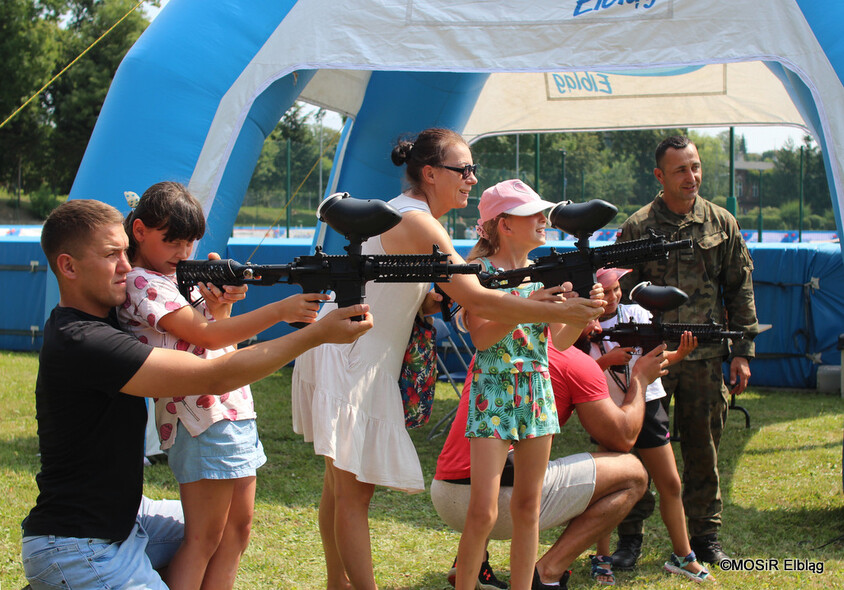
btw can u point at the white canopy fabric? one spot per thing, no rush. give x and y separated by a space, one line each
737 93
206 83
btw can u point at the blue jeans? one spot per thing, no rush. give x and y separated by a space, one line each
74 563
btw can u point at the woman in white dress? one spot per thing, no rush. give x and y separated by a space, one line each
346 397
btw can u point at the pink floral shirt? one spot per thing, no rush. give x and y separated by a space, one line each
149 297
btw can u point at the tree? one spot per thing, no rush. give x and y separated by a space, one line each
268 186
75 99
714 155
38 38
28 54
783 182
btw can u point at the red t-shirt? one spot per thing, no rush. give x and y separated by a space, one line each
575 377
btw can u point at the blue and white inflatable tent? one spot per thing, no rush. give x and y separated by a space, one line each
207 82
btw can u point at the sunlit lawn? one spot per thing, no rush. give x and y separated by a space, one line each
782 487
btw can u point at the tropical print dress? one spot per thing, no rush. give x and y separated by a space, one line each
511 389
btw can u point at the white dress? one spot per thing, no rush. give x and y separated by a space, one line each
346 397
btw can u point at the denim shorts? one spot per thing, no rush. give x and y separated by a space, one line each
225 450
74 563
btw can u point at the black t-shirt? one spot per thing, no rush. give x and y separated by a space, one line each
90 435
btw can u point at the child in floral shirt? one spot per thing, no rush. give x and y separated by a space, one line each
212 441
512 401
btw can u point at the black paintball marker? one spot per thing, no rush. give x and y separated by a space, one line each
346 274
579 266
659 299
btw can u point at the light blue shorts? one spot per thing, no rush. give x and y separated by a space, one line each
75 563
225 450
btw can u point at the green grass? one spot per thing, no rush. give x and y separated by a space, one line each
781 486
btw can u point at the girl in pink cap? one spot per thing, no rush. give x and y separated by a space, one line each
653 445
512 401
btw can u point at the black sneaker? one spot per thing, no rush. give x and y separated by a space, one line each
486 577
627 551
708 549
538 584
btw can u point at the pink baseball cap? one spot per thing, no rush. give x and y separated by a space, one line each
513 197
609 276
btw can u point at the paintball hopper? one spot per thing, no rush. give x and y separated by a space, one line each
582 219
656 298
357 219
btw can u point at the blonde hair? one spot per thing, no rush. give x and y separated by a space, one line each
489 244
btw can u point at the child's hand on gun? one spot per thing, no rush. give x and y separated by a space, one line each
619 355
302 307
556 293
219 301
568 292
688 343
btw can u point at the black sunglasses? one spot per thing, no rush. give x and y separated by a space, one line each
464 171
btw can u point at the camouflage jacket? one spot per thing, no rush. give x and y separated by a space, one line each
715 274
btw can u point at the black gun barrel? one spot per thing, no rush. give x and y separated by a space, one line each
636 251
423 270
630 332
704 332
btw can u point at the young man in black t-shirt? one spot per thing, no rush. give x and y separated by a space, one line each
91 527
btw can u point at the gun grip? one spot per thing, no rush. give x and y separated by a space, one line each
300 325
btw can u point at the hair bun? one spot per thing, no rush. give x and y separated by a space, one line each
401 153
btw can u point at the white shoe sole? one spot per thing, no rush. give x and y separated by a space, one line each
671 568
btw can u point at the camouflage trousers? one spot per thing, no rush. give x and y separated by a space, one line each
700 412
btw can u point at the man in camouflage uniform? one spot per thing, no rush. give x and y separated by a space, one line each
716 275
